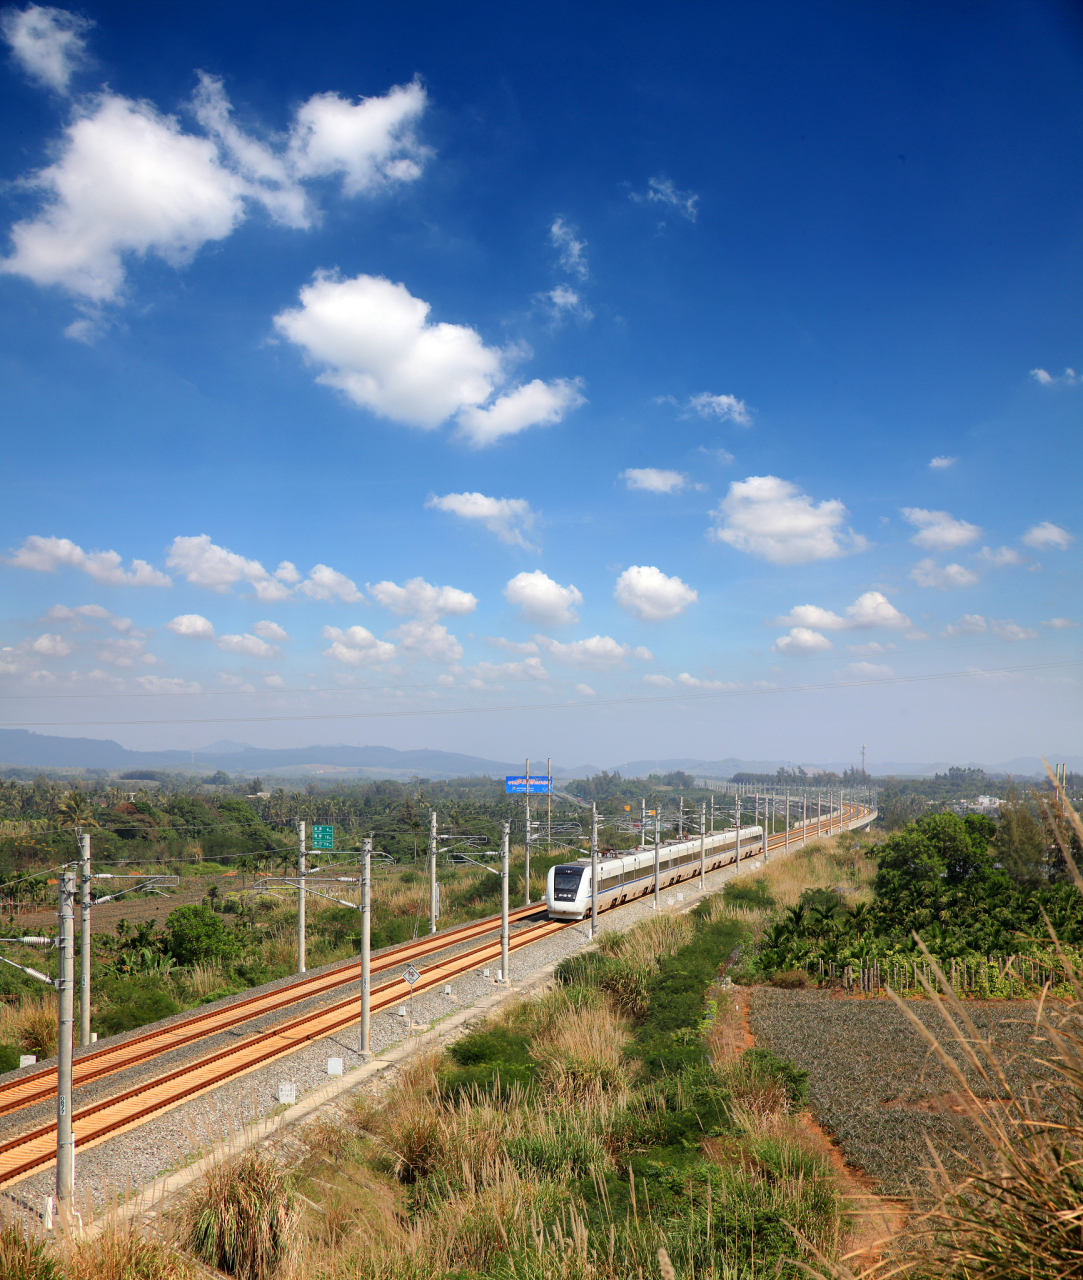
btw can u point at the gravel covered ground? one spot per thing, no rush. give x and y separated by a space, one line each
116 1166
872 1081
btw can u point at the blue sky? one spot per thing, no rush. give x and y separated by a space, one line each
599 382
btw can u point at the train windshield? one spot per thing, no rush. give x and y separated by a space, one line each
566 883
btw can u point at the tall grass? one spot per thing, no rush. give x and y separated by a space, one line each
31 1024
243 1218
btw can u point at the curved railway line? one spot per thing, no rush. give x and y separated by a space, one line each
35 1150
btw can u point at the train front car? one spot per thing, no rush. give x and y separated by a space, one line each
567 891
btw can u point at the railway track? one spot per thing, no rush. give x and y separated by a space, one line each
41 1085
35 1151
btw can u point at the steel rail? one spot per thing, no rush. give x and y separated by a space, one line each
95 1123
41 1085
37 1149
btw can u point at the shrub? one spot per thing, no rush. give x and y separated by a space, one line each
195 935
244 1218
25 1257
151 1004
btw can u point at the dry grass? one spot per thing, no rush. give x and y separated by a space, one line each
582 1057
31 1024
243 1218
201 979
120 1253
647 942
836 863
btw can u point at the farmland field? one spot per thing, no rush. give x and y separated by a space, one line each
872 1081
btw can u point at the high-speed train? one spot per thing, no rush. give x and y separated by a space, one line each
631 874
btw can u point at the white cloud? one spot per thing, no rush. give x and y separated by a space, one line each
801 640
927 573
869 671
653 480
273 680
565 239
193 625
1006 629
1060 624
1068 378
870 650
99 613
938 530
325 583
663 682
250 646
492 672
125 652
1041 536
694 682
535 404
168 684
597 651
429 640
585 691
726 408
129 182
357 647
377 345
48 43
650 595
50 646
270 631
563 303
421 599
772 518
662 191
999 558
970 624
720 455
541 600
512 646
873 609
206 564
942 463
47 554
508 518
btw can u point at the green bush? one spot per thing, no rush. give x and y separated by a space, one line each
9 1057
195 935
148 1005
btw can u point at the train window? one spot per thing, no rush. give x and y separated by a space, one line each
566 883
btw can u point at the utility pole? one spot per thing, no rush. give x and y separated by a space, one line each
593 868
680 818
84 937
702 839
712 813
65 1139
505 855
786 821
432 871
737 849
526 844
642 823
366 947
657 864
300 895
549 810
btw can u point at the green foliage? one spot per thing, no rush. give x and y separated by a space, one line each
25 1257
9 1057
491 1062
139 1004
196 935
747 893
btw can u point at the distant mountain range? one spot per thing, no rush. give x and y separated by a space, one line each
42 751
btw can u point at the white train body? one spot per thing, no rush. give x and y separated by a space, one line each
624 876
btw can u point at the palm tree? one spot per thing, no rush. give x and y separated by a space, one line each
75 810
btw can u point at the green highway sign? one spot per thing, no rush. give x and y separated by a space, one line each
323 837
